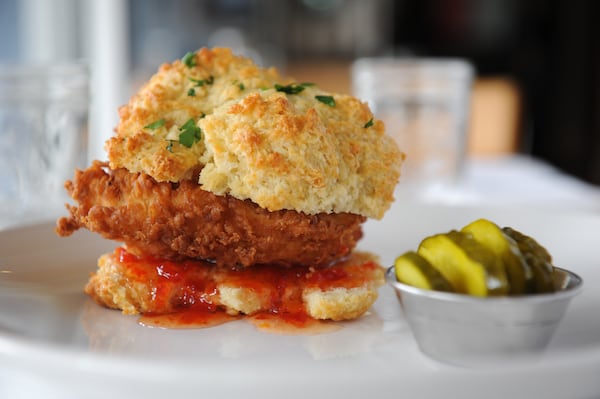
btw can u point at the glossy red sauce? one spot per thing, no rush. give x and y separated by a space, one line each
185 294
187 318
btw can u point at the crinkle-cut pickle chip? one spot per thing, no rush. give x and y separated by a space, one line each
414 270
538 258
468 266
518 272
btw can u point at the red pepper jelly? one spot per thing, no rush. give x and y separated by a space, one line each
196 294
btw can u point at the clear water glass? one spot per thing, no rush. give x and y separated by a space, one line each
424 103
43 137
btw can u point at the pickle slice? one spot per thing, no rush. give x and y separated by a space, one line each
537 257
470 267
518 272
412 269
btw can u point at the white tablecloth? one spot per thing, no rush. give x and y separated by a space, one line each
514 181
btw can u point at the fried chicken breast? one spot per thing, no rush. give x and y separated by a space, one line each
181 220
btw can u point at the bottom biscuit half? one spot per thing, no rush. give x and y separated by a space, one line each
151 286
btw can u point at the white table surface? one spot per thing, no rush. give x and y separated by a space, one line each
513 181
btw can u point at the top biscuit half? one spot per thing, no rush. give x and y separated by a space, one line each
252 134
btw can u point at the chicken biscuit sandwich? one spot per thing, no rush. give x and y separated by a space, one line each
235 190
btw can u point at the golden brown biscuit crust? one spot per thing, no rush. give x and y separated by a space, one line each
280 150
177 93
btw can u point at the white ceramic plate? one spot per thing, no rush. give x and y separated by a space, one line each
56 342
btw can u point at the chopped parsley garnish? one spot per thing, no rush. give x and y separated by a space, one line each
155 125
369 123
327 100
189 59
239 84
292 88
201 82
289 89
189 133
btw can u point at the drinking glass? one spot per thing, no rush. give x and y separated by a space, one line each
424 103
43 136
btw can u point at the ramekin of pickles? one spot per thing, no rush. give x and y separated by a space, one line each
481 294
481 259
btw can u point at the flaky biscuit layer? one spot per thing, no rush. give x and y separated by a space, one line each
255 135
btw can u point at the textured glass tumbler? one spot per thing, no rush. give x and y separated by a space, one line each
424 103
43 136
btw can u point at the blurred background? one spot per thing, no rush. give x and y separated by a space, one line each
537 90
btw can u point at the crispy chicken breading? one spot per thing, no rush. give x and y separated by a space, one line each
181 220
